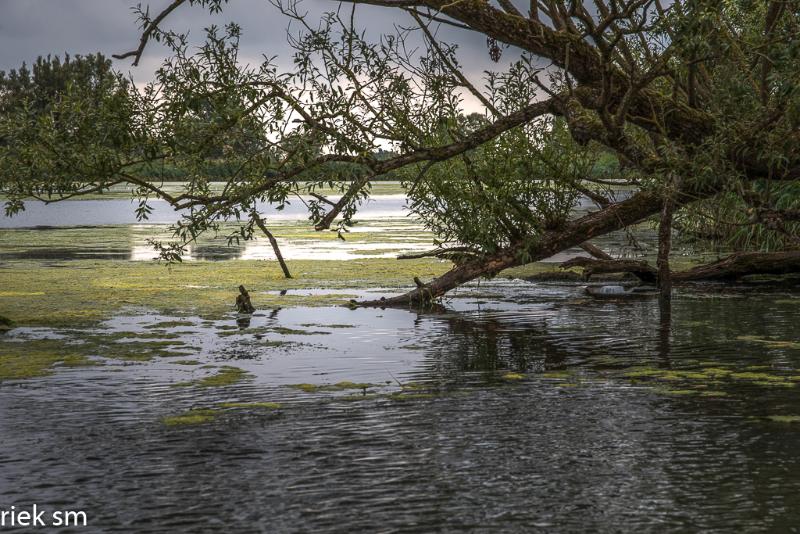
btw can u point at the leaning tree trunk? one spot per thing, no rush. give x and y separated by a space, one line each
614 217
274 242
639 206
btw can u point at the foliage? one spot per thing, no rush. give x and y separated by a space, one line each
695 103
508 190
48 78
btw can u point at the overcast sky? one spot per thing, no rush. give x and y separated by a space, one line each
29 28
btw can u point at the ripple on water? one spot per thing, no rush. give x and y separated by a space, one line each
571 446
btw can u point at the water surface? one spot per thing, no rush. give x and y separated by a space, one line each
574 446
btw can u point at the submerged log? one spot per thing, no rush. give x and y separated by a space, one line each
644 271
742 264
732 267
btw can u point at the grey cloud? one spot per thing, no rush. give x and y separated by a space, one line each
29 28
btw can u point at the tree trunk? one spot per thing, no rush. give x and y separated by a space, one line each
730 268
274 242
742 264
596 252
639 206
662 263
643 270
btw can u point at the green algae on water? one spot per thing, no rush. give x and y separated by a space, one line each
402 396
39 357
169 324
191 417
226 376
771 343
513 376
83 292
784 418
339 386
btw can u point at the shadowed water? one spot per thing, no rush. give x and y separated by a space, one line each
575 445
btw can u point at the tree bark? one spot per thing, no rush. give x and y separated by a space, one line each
596 252
641 269
742 264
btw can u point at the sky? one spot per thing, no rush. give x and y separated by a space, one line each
29 28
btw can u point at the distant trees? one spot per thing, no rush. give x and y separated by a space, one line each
47 79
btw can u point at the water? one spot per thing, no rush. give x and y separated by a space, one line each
574 446
108 229
122 211
517 407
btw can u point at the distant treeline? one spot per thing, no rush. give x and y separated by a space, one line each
222 170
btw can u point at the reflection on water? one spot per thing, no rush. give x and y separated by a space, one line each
108 229
122 211
593 452
384 238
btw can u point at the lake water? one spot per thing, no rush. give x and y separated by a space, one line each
108 229
576 445
517 407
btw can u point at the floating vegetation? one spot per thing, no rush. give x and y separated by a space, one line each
784 418
34 363
413 386
513 376
226 376
140 350
84 292
403 396
186 362
706 381
284 331
191 417
340 386
170 324
771 343
39 357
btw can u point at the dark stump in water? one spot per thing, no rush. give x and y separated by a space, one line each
243 304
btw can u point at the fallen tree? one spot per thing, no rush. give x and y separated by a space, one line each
639 268
732 267
614 217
